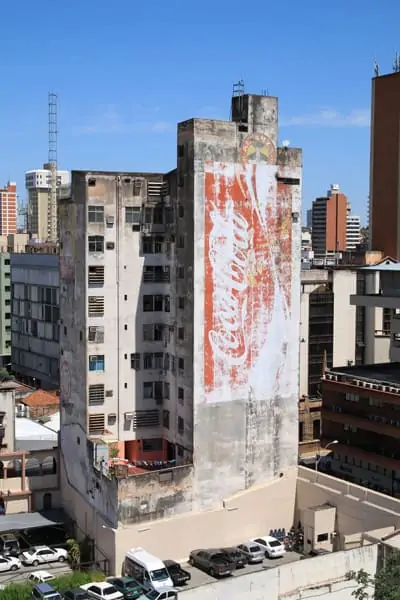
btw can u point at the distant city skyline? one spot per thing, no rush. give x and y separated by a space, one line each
119 104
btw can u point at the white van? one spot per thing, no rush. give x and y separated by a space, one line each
146 569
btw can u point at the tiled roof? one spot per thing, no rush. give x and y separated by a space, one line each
41 398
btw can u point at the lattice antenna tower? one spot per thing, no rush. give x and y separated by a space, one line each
396 63
52 227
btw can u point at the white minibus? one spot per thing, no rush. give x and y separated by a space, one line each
146 569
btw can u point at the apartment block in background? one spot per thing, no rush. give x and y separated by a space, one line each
361 404
361 410
333 332
36 316
37 184
329 223
8 209
5 310
353 231
153 269
384 226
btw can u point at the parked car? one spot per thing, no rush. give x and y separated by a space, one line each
128 586
44 591
178 575
170 594
9 563
235 556
253 552
9 545
76 594
213 562
273 548
43 554
101 590
40 577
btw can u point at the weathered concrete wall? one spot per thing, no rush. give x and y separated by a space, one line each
155 495
246 295
358 508
235 519
320 577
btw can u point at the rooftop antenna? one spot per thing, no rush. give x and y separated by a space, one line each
396 63
238 92
376 68
52 224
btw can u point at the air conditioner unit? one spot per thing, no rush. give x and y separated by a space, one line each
22 410
129 416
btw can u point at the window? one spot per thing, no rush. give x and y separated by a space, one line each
181 333
154 303
96 277
167 304
96 424
181 302
181 365
166 419
132 215
181 425
96 394
95 214
152 245
96 334
322 537
181 395
352 397
155 445
387 320
316 429
148 390
148 360
111 419
156 274
181 273
153 332
135 361
181 241
96 306
181 211
301 431
96 244
96 362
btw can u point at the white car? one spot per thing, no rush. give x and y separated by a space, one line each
9 563
40 577
101 590
43 554
273 548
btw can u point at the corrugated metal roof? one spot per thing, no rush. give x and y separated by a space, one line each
31 520
25 429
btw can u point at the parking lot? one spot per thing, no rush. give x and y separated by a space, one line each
199 578
23 573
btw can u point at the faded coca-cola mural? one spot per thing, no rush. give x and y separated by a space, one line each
248 277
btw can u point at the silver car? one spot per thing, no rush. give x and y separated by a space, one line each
253 552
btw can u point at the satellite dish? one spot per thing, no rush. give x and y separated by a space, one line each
286 143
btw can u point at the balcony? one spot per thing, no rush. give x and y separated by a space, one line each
361 423
150 228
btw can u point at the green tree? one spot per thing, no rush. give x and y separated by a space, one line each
74 551
385 585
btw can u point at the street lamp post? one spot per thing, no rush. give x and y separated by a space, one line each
325 448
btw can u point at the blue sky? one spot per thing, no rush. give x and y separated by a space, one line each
126 72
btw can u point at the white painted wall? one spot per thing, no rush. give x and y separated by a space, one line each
321 577
344 317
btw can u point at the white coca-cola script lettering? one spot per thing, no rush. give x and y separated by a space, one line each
229 247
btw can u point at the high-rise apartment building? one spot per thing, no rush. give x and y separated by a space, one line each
353 231
8 209
384 226
329 223
180 310
40 214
